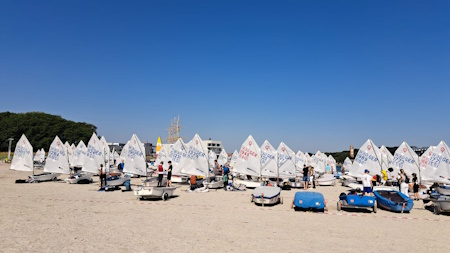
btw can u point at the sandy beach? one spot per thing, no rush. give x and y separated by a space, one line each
58 217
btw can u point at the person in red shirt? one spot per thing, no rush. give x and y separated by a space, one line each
160 174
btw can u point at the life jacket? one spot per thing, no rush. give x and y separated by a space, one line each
385 176
160 168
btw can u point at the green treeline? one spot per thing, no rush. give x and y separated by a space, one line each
40 129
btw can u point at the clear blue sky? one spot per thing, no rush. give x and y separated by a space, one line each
314 74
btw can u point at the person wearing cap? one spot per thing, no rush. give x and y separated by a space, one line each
169 175
367 182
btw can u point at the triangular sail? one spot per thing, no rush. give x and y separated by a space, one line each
249 159
223 157
405 158
163 156
211 157
332 163
438 167
347 164
196 162
57 161
425 157
367 158
300 160
177 155
286 161
94 156
234 158
386 158
36 155
134 157
319 162
23 155
308 159
78 155
269 166
158 145
105 151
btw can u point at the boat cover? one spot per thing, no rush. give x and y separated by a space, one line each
308 200
358 200
268 191
393 200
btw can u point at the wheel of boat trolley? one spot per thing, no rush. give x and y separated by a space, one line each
34 181
339 205
165 196
251 198
55 178
91 180
281 200
436 210
374 208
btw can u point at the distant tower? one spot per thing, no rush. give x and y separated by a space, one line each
174 130
352 152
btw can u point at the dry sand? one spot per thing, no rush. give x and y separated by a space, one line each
58 217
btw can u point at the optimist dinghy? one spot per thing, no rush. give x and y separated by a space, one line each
394 201
326 180
443 189
154 192
267 195
309 200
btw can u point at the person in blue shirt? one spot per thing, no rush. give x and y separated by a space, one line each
225 171
121 166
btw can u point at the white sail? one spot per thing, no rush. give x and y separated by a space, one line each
68 150
177 156
78 155
36 155
57 161
116 157
438 167
319 162
93 158
223 157
308 159
300 160
332 163
386 158
196 162
105 151
286 161
425 157
233 160
269 164
405 158
163 156
249 159
23 155
211 157
134 157
367 158
347 164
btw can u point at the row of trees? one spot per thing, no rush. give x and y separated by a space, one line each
41 128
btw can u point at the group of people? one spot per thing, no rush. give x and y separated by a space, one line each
161 173
403 182
308 177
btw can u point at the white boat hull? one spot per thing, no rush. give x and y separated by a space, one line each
152 192
326 182
79 178
44 177
248 184
117 182
180 179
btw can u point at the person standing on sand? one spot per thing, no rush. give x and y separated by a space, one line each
102 175
225 172
312 177
415 181
367 183
305 177
169 175
160 174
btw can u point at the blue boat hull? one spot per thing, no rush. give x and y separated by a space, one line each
394 201
309 200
